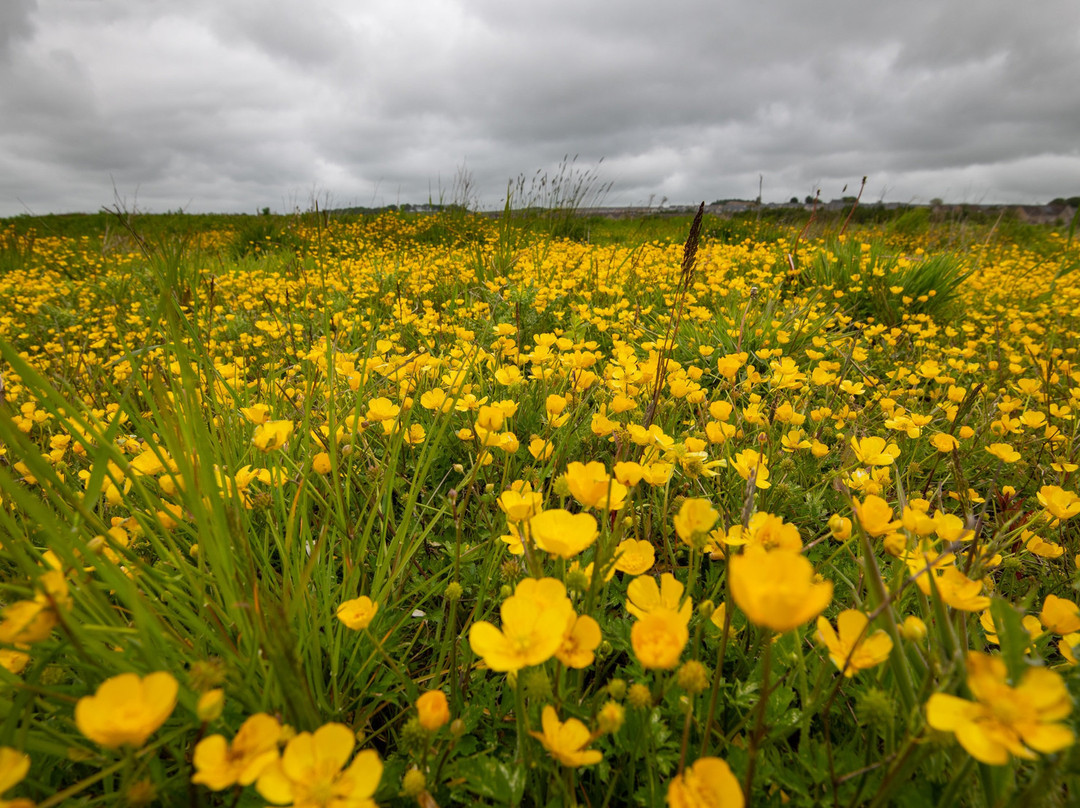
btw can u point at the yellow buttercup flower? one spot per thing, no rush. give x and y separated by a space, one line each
748 461
1059 615
644 596
127 709
658 638
777 590
14 766
534 621
874 451
1061 504
851 649
566 741
1005 721
272 435
309 773
219 765
695 518
433 709
582 638
592 486
634 556
707 783
562 533
357 613
876 516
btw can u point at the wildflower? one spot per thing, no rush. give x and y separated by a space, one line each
357 613
1003 452
126 709
582 638
309 773
875 515
562 533
708 782
591 485
320 464
1059 615
851 649
874 451
534 623
748 461
1060 503
959 591
272 435
219 764
210 705
433 709
644 595
658 638
694 519
1029 622
777 590
13 768
767 531
566 741
634 556
840 527
610 718
1005 720
693 677
944 442
913 628
521 505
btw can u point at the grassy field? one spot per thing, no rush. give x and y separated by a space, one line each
339 510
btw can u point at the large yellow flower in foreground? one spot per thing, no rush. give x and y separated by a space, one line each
850 648
777 590
534 623
219 764
309 774
1004 720
708 783
566 741
126 710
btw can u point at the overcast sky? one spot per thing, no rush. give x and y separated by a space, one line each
236 105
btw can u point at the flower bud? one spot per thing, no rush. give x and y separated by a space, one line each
433 710
210 705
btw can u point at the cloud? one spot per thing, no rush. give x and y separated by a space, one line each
233 106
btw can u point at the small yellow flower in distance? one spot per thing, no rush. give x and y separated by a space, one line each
777 590
695 518
1059 615
272 435
309 772
582 638
913 628
1005 721
840 527
256 413
566 741
874 451
748 461
610 718
381 409
710 782
1060 503
658 638
1003 452
433 709
851 649
357 613
944 443
592 486
875 515
210 704
320 464
521 505
534 621
126 709
562 533
634 556
219 765
644 595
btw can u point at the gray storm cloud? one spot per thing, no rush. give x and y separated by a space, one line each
234 106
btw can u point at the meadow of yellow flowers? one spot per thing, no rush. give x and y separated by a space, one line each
442 510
